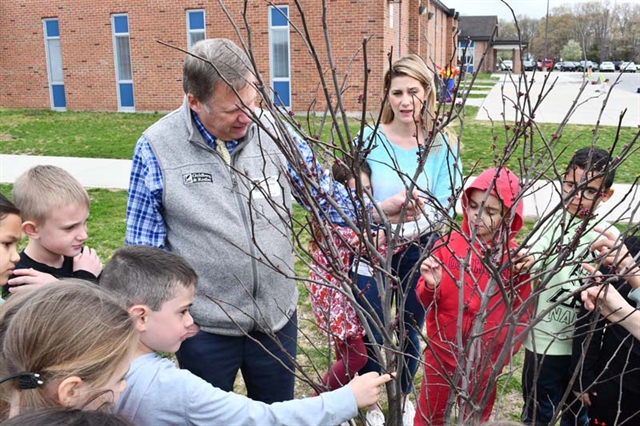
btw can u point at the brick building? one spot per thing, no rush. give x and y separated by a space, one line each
479 37
104 55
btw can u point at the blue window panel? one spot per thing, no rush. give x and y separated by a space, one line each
52 28
279 16
121 24
196 20
59 99
282 94
126 95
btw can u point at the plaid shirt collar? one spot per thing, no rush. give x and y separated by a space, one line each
209 139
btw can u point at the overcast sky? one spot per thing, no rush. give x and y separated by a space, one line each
531 8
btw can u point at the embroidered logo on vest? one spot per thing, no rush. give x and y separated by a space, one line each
197 177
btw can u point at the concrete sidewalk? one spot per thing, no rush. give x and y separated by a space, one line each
566 87
91 172
623 207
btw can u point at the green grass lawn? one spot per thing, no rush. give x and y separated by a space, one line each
106 220
478 152
113 135
71 134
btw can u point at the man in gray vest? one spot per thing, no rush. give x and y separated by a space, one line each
211 185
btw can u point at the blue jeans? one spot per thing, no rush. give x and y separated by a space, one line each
403 264
542 398
267 364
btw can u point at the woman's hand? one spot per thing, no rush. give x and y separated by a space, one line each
400 204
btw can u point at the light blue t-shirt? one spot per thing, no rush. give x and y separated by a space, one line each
158 393
393 168
634 295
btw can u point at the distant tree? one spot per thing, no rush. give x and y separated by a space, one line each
561 30
600 19
626 29
603 30
507 29
528 27
524 28
571 51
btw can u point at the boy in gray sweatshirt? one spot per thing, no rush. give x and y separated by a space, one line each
158 287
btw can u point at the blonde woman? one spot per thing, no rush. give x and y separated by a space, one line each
407 153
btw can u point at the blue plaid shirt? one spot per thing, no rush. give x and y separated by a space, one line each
146 226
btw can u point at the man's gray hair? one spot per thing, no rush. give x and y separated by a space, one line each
230 63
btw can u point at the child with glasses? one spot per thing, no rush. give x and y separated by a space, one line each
560 245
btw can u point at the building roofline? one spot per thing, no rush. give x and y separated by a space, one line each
510 42
448 11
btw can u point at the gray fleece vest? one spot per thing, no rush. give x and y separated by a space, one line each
231 224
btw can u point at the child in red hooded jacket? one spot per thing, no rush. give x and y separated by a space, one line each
491 309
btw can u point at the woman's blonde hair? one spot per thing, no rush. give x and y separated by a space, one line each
413 66
70 328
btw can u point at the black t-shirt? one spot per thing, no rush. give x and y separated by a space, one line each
611 365
65 271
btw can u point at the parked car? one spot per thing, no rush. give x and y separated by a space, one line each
506 65
565 66
585 65
607 67
528 65
545 64
628 67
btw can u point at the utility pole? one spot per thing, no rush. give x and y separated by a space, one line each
546 31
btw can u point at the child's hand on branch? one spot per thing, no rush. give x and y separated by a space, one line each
614 253
431 272
586 399
522 262
604 297
368 388
379 238
611 304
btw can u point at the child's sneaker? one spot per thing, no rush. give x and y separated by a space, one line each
374 418
409 413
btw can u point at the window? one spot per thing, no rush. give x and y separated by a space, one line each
279 55
390 15
469 59
195 27
122 53
54 64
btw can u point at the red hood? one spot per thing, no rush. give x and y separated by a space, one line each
505 185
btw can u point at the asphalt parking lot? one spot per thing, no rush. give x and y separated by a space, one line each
565 87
